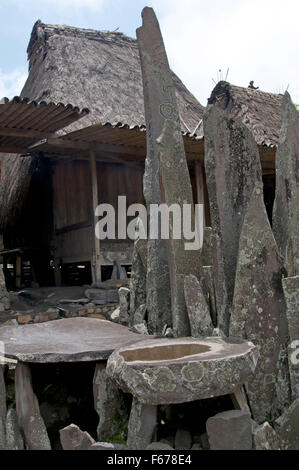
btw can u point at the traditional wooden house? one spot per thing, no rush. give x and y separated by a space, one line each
64 161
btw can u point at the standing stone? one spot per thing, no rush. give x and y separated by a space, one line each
259 310
109 404
176 192
72 438
205 255
2 409
118 272
287 427
207 279
183 440
232 166
286 203
14 439
265 438
166 180
138 278
4 297
142 425
198 309
158 103
29 417
230 430
291 293
124 305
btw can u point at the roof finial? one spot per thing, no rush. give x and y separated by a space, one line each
251 85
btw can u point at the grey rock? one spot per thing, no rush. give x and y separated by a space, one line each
139 314
204 441
205 255
115 315
287 427
14 439
176 189
4 296
209 367
286 203
124 305
207 283
67 340
197 307
137 285
2 409
140 328
183 440
158 90
109 404
159 446
72 438
196 446
107 446
291 293
28 412
265 437
230 430
74 301
232 166
259 311
118 272
142 425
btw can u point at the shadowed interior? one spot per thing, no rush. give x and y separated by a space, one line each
161 353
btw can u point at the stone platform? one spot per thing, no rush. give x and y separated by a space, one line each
67 340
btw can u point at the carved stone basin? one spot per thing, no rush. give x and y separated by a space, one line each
161 371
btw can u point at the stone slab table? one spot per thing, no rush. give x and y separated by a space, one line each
59 341
179 370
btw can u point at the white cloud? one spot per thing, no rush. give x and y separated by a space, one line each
257 40
11 83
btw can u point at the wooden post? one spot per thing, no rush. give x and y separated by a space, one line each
200 186
18 270
96 265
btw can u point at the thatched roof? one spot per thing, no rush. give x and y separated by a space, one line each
259 111
93 69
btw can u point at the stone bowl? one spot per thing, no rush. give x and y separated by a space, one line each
161 371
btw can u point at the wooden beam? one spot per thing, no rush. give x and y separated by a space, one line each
18 270
200 186
27 133
13 149
95 201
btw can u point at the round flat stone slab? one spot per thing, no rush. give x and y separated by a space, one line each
67 340
160 371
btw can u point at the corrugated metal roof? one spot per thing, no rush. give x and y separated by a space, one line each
22 121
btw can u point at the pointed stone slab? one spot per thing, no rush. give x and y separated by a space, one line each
286 203
14 438
291 293
159 104
232 166
259 310
4 296
29 417
142 425
176 190
2 409
198 309
109 404
287 427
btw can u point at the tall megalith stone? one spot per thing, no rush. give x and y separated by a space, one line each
232 166
259 310
286 203
166 180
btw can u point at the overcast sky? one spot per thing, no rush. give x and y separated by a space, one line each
255 39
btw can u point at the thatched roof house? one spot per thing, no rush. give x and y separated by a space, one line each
100 71
46 204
